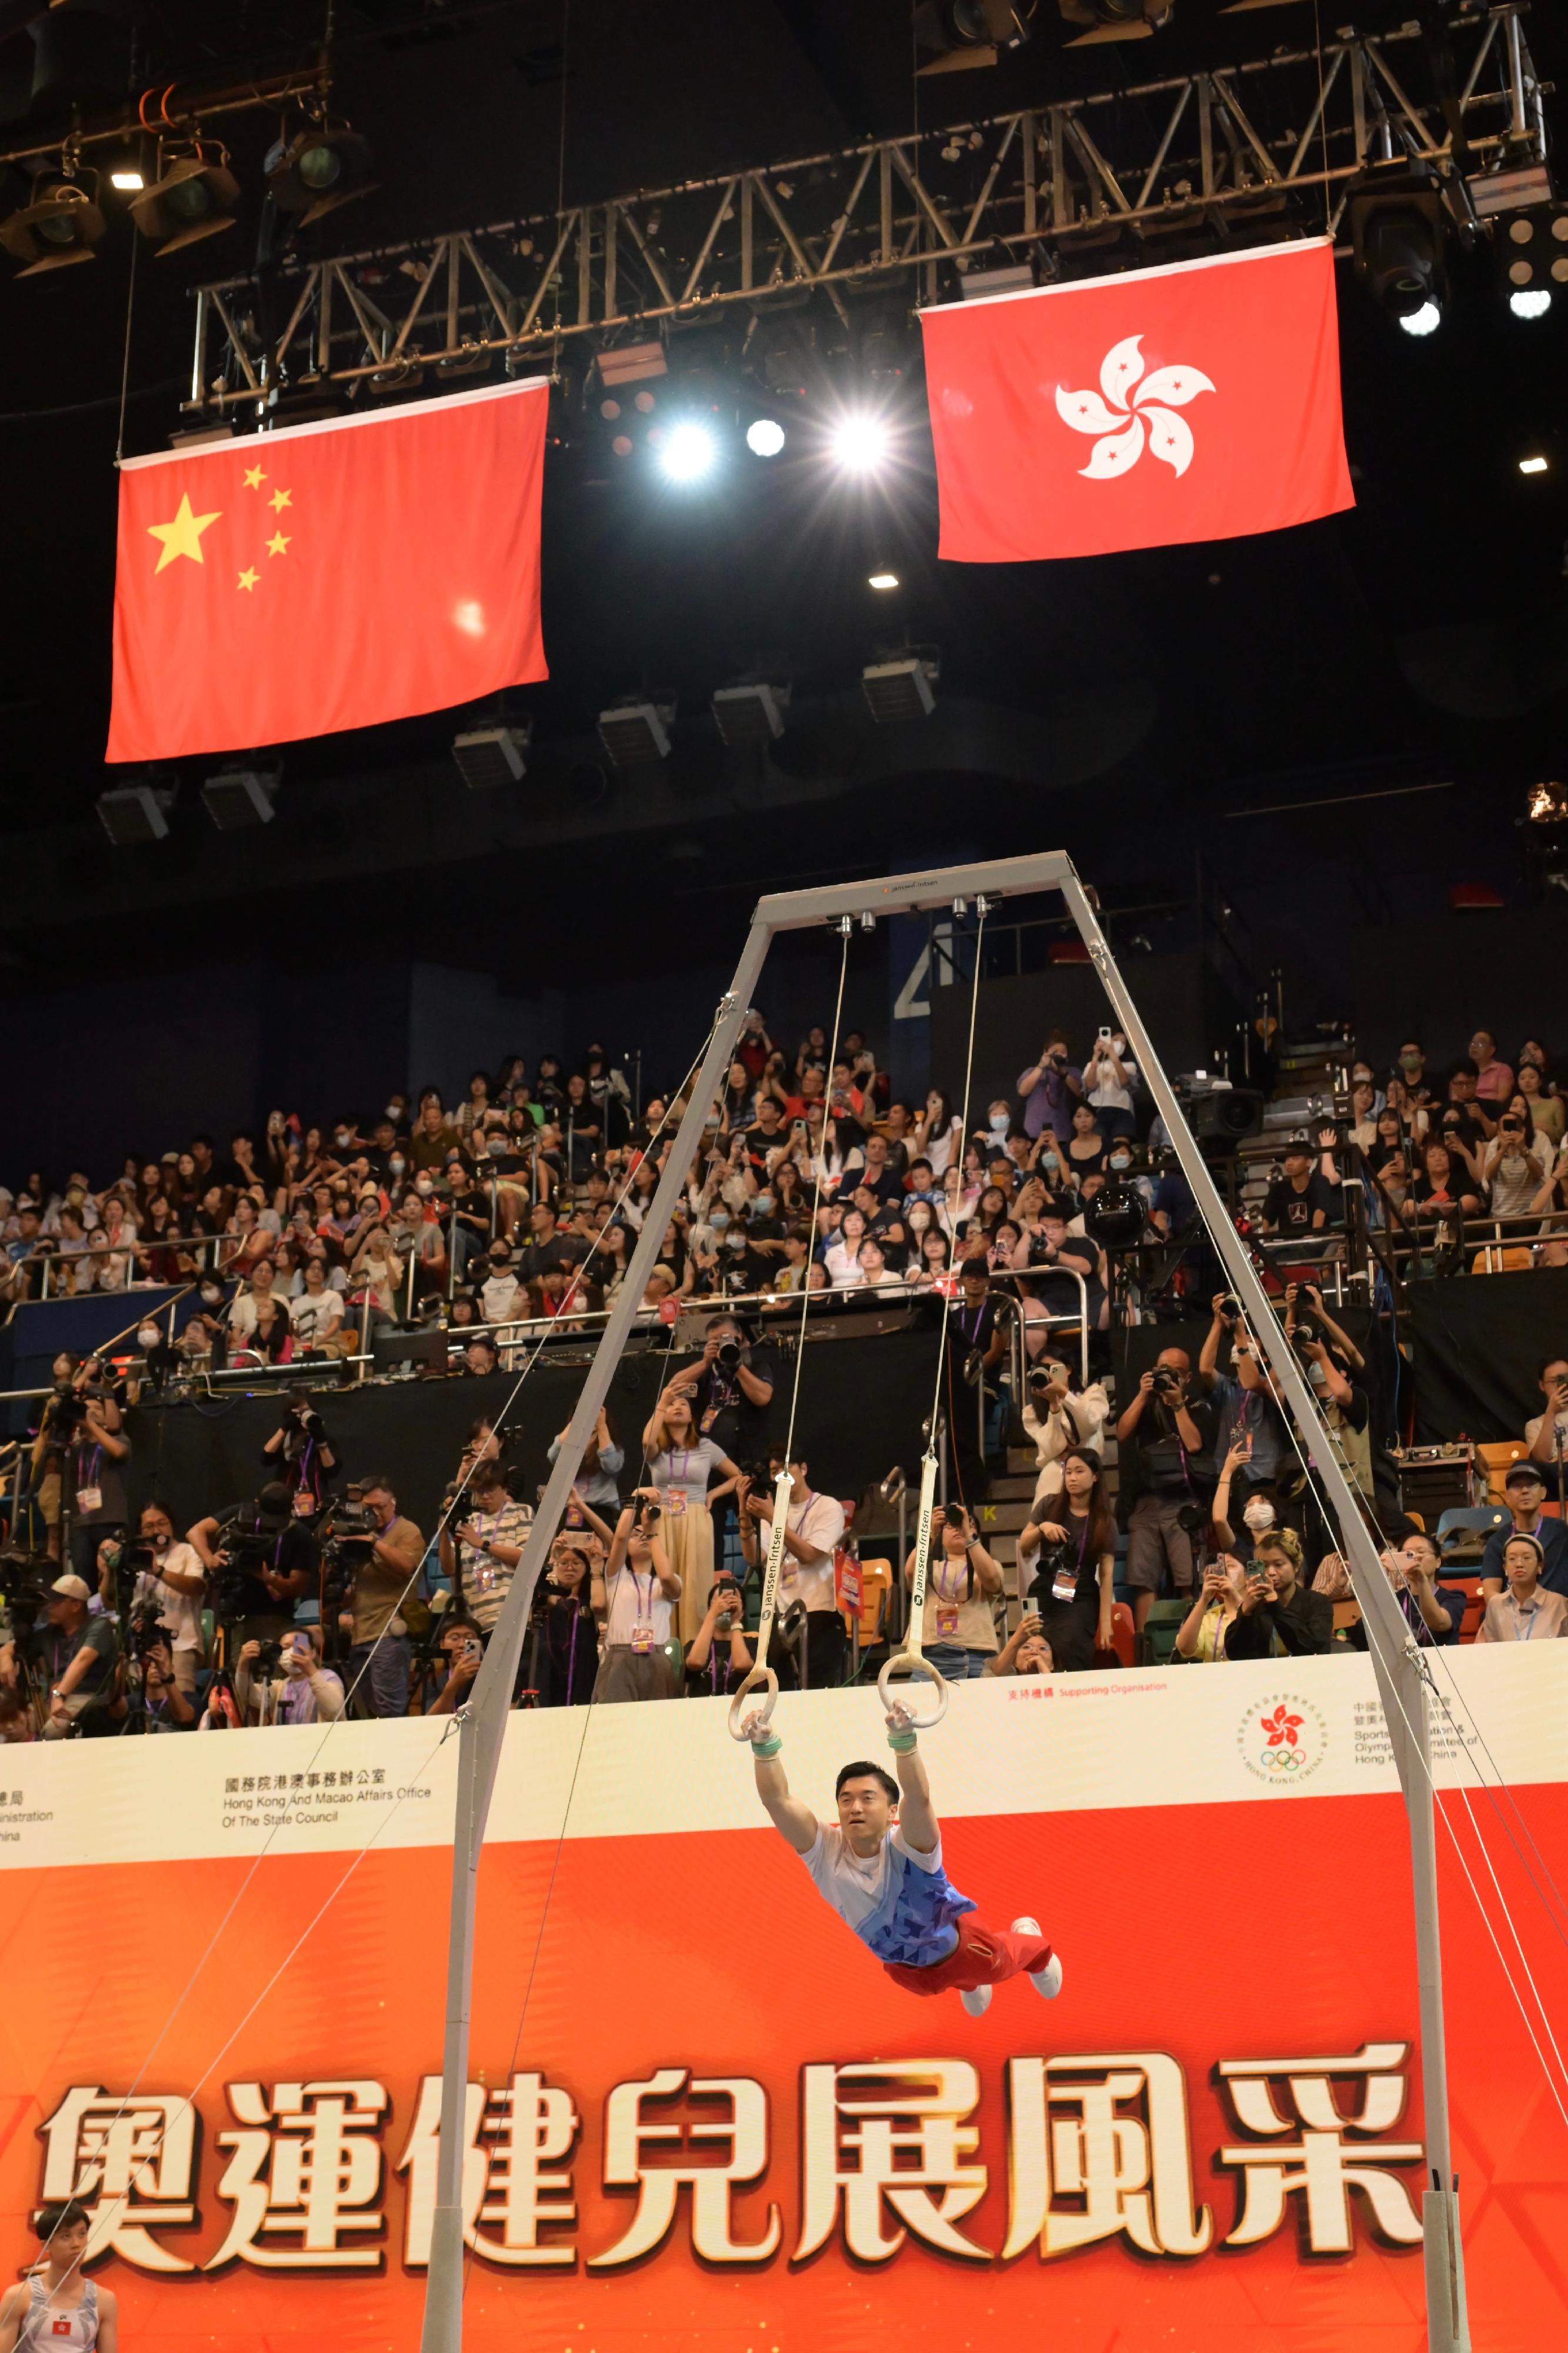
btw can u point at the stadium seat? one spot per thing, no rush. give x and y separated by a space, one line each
1461 1535
1159 1631
1123 1641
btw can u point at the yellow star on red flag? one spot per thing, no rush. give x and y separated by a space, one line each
183 536
254 477
247 580
277 544
279 499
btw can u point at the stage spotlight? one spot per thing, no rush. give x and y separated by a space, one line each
954 35
131 814
897 691
751 714
1532 465
1423 322
1529 301
634 731
194 199
1396 229
1547 804
860 443
882 579
318 170
236 799
60 226
765 437
491 756
687 452
1114 20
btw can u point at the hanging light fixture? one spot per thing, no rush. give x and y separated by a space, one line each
318 169
193 196
61 226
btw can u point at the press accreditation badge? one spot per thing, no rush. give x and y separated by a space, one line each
675 1501
946 1623
642 1638
1064 1586
90 1499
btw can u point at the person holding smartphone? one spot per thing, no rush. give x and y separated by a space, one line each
1109 1076
1201 1635
962 1586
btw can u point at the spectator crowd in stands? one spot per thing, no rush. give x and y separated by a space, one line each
523 1205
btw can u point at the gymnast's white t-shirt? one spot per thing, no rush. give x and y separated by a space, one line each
898 1901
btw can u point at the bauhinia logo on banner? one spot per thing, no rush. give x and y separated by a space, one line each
328 576
1089 2149
1210 391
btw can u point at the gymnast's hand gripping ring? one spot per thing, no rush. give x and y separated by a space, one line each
908 1663
754 1682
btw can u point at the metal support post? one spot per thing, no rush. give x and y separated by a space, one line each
485 1717
1401 1677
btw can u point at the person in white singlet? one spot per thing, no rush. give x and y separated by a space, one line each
57 2310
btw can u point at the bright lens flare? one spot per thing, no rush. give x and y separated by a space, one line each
1530 301
860 443
688 454
765 438
1422 321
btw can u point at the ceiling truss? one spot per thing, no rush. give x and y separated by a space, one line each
1130 173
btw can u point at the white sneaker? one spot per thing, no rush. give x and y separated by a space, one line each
1047 1982
976 2000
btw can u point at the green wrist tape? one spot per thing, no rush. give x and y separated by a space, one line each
768 1748
902 1741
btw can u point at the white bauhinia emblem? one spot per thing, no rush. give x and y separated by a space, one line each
1124 424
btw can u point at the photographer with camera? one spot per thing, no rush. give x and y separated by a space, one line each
962 1584
462 1648
95 1452
709 1674
284 1681
261 1559
813 1529
1166 1436
387 1559
170 1585
300 1447
602 1463
1249 1415
79 1652
1066 1565
1057 1421
641 1589
1201 1636
165 1707
1329 1357
1049 1088
481 1554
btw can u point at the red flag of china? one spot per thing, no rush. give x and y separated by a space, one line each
328 576
1199 401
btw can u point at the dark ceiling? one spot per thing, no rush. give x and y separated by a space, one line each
1428 631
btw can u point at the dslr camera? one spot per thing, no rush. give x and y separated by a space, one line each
1167 1381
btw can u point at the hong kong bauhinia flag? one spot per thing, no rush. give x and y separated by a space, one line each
1197 401
328 576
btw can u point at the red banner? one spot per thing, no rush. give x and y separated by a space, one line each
1199 401
700 2113
328 576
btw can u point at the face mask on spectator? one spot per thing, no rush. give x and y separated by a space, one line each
1122 1160
1258 1515
718 1220
397 1164
497 1145
344 1135
424 1185
393 1112
920 1219
148 1335
763 1204
1001 1121
211 1293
